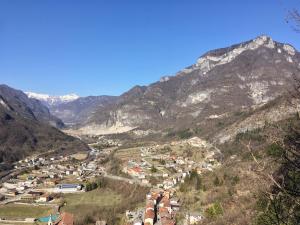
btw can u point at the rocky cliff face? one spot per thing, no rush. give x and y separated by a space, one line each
222 82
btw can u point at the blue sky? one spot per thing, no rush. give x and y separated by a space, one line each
100 47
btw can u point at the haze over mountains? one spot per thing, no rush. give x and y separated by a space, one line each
222 84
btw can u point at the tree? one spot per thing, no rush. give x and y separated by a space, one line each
281 204
153 169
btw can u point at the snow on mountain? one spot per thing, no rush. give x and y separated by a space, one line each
52 100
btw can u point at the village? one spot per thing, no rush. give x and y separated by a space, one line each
43 181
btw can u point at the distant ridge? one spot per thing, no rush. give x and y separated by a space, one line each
52 100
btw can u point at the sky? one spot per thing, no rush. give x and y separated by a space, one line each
105 47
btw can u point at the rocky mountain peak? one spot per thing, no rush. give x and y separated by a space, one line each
213 58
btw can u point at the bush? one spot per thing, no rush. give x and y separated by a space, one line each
153 169
235 180
193 181
214 211
185 134
217 181
275 150
91 186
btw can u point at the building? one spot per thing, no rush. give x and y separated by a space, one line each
67 188
166 221
45 198
193 218
149 217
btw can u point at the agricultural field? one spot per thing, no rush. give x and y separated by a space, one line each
80 156
15 211
128 154
82 203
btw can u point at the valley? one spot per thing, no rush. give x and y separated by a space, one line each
200 147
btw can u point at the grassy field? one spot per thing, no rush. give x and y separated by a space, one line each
12 211
80 156
81 204
128 154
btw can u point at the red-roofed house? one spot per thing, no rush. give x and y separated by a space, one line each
135 171
149 217
165 221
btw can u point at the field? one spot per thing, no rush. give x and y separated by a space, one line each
82 203
12 211
107 203
128 154
80 156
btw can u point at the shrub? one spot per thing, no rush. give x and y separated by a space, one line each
153 169
185 134
217 181
274 150
214 211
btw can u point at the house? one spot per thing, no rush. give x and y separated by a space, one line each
164 213
12 192
145 181
50 182
149 206
66 219
165 203
135 171
45 198
167 221
193 218
28 197
137 223
149 217
35 193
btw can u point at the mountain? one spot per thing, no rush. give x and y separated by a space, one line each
52 100
25 128
218 91
27 107
80 110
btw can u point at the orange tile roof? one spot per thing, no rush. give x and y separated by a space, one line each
163 209
150 205
137 169
149 214
165 221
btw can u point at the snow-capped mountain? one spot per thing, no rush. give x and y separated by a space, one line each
52 100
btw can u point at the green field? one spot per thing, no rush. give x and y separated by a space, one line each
82 203
12 211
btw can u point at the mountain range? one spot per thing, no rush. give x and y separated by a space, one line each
227 91
27 127
49 100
